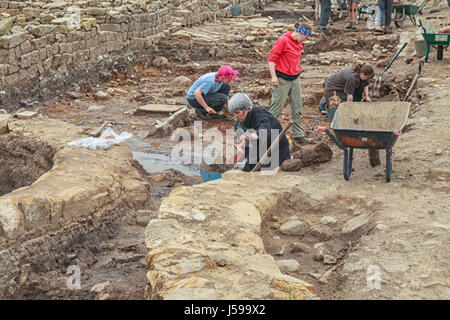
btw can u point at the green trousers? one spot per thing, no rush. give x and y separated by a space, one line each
293 90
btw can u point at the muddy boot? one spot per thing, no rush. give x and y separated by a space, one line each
354 25
387 30
379 30
322 106
298 142
349 26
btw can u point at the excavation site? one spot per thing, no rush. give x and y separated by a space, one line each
122 178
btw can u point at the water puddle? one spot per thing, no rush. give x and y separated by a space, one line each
157 162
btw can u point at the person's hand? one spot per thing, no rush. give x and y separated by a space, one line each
210 110
251 136
275 81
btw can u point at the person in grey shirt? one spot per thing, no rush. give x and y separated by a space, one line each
348 84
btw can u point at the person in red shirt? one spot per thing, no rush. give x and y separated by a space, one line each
284 67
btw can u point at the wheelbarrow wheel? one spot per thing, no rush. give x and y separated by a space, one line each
440 53
374 157
348 157
398 18
388 165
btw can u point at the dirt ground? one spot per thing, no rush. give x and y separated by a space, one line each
410 237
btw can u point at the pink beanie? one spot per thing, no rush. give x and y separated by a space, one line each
226 72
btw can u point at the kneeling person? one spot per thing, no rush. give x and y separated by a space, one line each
209 94
265 126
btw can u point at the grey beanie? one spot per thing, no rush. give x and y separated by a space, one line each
240 101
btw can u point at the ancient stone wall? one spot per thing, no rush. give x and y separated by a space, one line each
45 46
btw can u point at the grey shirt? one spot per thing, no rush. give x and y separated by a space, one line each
345 80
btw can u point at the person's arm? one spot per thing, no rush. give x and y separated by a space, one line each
366 94
198 95
349 97
274 55
273 74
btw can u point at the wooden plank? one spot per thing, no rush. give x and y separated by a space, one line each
158 108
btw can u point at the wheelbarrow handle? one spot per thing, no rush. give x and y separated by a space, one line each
331 135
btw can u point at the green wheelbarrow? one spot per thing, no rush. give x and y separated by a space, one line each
434 39
401 11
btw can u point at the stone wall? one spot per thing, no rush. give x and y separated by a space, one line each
45 46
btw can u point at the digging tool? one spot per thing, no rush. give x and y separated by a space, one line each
419 71
98 131
388 66
272 146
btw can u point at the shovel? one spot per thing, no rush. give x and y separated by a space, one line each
419 71
389 65
272 146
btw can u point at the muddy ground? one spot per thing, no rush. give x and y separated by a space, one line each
118 262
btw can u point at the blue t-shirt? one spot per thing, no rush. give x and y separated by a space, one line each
207 83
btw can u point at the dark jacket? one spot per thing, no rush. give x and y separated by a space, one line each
260 119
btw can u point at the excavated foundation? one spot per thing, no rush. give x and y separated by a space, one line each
66 196
235 246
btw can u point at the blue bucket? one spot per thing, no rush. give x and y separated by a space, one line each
209 175
235 10
331 113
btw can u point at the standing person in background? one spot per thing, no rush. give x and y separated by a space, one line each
325 13
352 13
284 67
386 7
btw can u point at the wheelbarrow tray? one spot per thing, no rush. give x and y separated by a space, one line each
370 126
440 39
409 9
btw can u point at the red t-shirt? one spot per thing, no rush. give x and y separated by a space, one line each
286 54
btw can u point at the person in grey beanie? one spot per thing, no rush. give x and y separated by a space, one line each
261 128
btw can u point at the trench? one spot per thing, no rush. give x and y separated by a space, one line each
316 250
22 161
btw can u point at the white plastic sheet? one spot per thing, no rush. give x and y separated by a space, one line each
107 139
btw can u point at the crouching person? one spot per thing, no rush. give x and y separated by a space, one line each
261 129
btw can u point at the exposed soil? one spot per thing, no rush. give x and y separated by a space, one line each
119 259
22 161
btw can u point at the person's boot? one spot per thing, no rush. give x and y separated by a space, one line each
322 105
379 30
299 141
353 25
387 30
349 26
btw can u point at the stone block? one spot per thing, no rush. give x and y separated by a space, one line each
3 70
111 27
12 79
39 42
25 47
96 11
26 114
41 30
12 41
42 54
5 25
